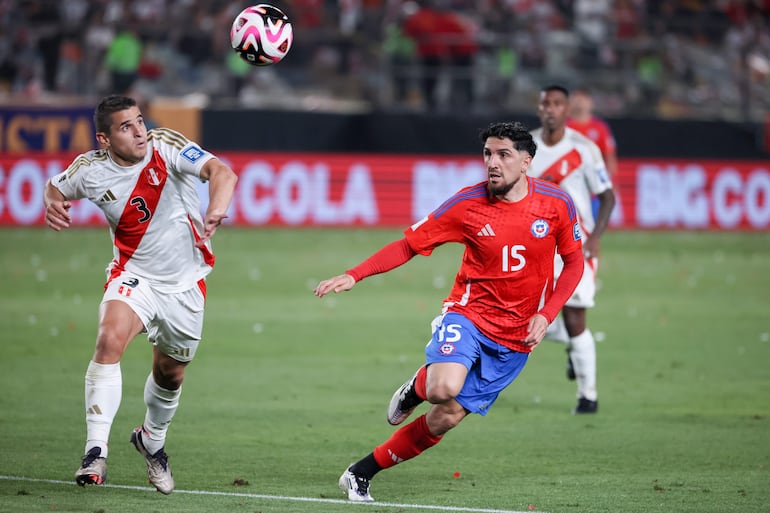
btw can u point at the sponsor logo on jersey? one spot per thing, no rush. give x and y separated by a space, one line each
62 178
576 231
487 231
540 228
447 349
192 153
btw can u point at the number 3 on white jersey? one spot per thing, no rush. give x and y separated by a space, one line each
513 259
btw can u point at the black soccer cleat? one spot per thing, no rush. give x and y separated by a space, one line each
585 406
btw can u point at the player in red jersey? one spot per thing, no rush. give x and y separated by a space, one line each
574 162
500 305
582 119
145 183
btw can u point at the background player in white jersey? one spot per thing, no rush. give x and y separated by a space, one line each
566 157
144 182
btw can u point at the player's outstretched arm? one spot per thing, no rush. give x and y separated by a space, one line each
56 208
389 257
222 182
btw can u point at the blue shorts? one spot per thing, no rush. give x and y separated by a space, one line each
491 366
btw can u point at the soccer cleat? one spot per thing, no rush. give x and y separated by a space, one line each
570 368
585 406
93 469
403 402
356 487
158 471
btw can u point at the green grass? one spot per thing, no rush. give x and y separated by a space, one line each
288 389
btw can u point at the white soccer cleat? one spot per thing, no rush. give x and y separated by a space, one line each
403 402
355 487
158 471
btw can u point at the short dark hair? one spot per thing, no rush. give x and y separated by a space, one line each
516 132
555 87
107 107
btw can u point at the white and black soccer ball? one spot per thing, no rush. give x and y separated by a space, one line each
261 35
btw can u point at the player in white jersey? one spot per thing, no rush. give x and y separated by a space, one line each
573 161
145 183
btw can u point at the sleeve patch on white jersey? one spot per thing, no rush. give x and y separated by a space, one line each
604 178
192 153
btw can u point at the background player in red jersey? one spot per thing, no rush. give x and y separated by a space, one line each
500 305
582 119
571 160
145 183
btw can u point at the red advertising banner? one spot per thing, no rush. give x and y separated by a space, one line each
295 189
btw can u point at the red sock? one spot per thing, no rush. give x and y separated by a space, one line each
406 443
419 383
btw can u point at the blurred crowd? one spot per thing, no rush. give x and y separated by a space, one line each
642 58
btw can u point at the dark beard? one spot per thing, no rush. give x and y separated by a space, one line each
503 190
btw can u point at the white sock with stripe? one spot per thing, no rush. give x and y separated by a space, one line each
583 356
104 389
161 407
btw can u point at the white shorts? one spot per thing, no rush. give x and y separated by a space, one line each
583 297
173 322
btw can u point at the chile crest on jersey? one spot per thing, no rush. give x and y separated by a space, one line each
540 228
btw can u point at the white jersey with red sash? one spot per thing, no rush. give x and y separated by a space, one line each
152 207
575 163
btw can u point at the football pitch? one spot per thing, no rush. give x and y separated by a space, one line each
288 389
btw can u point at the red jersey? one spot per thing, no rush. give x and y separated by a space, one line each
598 131
507 271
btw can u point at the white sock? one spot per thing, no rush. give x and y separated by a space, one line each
557 331
583 356
104 388
161 407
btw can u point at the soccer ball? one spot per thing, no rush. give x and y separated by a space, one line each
261 35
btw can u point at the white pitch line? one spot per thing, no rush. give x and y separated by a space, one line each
278 497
